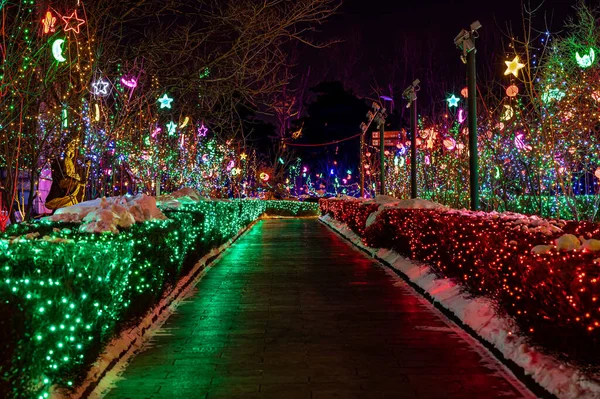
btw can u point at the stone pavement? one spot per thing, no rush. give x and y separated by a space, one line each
291 310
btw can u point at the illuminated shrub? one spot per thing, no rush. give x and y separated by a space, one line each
66 295
553 298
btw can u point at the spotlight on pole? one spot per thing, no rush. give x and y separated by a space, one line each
377 115
410 94
465 40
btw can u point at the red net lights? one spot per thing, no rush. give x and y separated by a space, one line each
553 298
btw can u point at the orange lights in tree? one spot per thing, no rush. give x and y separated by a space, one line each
48 23
512 91
73 22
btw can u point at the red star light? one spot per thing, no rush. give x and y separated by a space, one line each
72 22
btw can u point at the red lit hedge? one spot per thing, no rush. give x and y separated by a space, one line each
553 298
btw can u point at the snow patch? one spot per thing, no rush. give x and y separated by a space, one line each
387 202
174 200
109 214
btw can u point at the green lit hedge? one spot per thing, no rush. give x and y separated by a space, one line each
68 293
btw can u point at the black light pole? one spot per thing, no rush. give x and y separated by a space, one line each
413 151
382 155
410 94
465 41
474 153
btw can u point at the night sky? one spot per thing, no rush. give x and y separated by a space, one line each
374 33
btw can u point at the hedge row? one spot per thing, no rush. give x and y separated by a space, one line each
66 294
553 298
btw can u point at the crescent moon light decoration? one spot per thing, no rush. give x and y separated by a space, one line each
57 50
185 122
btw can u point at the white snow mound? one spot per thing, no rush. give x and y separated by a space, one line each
109 214
387 202
174 200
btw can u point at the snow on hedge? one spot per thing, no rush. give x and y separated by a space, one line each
387 202
109 214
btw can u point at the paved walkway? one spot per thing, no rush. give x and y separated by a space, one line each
293 311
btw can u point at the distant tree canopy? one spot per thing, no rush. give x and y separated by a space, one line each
334 114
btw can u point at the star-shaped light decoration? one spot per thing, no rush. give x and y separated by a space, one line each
165 101
73 22
100 88
202 130
171 128
243 156
453 101
513 67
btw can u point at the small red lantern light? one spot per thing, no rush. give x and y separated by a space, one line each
512 91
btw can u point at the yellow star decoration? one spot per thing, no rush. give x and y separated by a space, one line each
513 67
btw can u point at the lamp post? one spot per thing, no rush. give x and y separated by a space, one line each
378 114
410 94
465 41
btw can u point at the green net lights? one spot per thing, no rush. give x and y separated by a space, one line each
165 101
78 290
453 101
57 50
586 60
